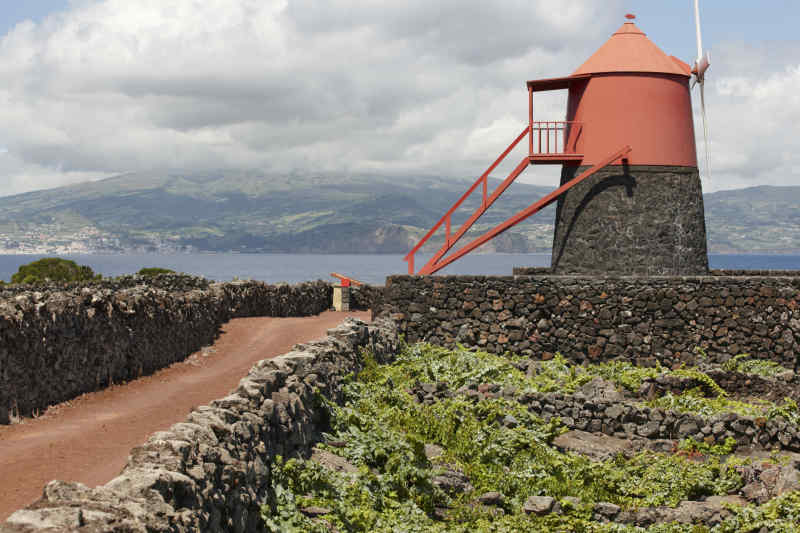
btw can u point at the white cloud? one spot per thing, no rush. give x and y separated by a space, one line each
131 85
753 111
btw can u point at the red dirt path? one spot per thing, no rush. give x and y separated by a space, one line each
88 438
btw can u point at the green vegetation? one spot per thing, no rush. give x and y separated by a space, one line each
383 430
761 367
694 447
458 368
53 269
154 271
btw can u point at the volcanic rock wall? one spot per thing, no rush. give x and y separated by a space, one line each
59 342
212 472
169 282
547 271
640 319
366 297
592 409
627 420
626 220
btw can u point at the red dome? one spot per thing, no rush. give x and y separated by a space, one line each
629 50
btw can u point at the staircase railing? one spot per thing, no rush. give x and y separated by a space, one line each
485 203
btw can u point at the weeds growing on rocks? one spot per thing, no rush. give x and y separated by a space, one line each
745 364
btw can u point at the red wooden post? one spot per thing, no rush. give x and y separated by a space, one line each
530 120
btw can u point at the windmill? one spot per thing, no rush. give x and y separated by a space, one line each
701 65
630 200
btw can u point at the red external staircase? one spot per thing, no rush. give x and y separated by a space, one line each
549 143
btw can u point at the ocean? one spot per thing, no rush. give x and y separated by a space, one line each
370 268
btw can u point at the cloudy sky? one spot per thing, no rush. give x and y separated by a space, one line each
93 88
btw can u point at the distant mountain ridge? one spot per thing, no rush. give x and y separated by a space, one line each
756 219
343 213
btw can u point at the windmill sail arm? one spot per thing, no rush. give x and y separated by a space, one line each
702 62
699 33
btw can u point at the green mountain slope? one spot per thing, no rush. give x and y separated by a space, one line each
251 212
755 219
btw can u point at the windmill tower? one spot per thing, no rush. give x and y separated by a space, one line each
644 215
630 200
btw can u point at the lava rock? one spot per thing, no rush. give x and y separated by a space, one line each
491 498
539 505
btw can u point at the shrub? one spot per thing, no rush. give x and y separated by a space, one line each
53 269
154 271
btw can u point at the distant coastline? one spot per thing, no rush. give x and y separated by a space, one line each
183 213
134 251
371 268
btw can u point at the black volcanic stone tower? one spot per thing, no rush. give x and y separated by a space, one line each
638 220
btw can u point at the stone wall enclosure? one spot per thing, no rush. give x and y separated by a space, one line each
642 319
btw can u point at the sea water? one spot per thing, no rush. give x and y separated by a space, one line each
371 268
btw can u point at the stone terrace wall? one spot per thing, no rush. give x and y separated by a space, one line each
631 419
57 344
627 420
212 472
751 273
640 319
545 271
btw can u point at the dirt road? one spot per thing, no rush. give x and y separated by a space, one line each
88 438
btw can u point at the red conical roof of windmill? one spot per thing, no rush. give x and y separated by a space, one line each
629 50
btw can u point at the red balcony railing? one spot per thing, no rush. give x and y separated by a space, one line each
554 138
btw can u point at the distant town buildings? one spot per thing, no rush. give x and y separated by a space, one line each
57 240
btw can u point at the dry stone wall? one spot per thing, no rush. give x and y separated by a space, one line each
366 297
170 282
59 342
642 319
211 473
628 420
546 271
596 410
